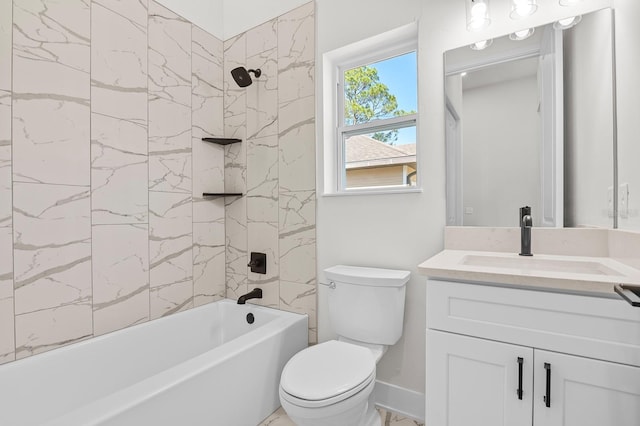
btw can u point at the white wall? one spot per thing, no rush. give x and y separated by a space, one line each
242 15
628 64
501 121
228 18
402 230
372 230
207 14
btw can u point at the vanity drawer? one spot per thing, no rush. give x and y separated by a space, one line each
600 328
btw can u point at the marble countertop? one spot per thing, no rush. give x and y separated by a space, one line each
544 271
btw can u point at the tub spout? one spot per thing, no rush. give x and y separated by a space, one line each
256 293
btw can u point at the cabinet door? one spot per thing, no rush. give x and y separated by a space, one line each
585 392
475 382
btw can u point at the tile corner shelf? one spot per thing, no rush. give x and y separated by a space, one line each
222 141
222 194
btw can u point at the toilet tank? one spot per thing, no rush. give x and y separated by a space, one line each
367 304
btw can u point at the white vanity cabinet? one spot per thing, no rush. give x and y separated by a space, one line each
585 392
473 381
575 359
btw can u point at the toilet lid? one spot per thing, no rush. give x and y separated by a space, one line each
326 370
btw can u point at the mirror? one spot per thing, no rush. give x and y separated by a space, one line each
628 101
531 122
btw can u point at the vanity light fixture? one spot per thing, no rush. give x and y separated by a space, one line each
569 2
481 45
566 23
477 14
523 8
522 34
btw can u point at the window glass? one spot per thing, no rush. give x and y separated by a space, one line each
382 89
378 129
369 162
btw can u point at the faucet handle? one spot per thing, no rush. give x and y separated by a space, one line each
258 263
524 211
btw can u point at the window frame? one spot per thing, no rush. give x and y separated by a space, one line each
373 54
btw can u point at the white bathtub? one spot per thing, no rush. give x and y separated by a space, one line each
205 366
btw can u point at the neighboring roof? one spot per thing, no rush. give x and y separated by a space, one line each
407 148
363 151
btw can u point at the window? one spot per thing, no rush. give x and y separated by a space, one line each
375 112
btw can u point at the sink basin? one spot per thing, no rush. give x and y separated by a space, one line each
540 264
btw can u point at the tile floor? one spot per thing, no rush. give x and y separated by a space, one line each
279 418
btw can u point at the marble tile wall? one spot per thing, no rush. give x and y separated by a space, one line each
275 166
170 162
102 220
51 171
119 164
103 104
208 168
7 319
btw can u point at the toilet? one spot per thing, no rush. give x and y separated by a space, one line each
331 384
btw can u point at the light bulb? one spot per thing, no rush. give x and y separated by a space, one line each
523 8
481 45
477 14
522 34
478 10
566 23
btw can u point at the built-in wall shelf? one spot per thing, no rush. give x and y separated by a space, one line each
222 194
222 141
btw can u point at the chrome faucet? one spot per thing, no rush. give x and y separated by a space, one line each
526 223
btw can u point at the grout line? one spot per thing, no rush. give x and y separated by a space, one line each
148 172
13 222
193 284
93 324
277 78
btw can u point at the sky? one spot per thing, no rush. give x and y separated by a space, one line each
400 75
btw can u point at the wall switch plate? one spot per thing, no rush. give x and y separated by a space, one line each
623 200
468 210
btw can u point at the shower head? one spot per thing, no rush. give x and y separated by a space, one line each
242 77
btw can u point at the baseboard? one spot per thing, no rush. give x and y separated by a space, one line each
403 401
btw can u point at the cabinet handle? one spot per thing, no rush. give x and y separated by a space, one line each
547 397
630 293
520 363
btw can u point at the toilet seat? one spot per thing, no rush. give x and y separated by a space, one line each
327 373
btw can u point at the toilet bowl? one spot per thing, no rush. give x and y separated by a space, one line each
330 384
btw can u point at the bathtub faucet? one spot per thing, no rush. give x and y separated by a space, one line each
256 293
